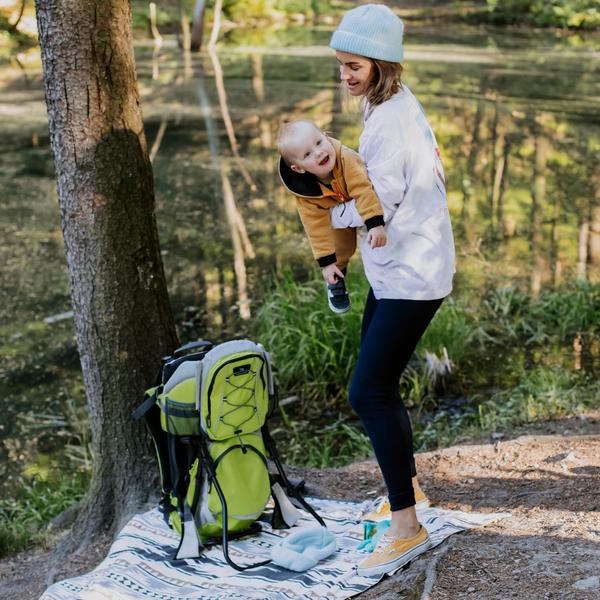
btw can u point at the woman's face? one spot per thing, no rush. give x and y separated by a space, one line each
355 71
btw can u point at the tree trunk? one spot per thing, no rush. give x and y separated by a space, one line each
555 265
198 25
594 237
123 320
538 196
469 171
497 138
502 187
582 247
15 25
216 28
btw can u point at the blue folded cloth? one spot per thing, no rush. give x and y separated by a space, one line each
304 548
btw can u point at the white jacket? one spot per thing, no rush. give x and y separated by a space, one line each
404 166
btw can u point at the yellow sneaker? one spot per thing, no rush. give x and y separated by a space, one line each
421 500
392 553
383 511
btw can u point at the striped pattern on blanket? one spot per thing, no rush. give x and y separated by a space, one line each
138 565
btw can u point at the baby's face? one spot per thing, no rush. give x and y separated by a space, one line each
312 151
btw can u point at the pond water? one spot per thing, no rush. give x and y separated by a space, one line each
516 117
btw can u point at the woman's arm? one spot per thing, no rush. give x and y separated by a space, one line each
387 165
361 189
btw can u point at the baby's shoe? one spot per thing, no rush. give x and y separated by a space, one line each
337 296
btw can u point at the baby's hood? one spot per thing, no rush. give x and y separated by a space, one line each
305 185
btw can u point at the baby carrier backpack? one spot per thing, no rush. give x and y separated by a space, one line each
207 415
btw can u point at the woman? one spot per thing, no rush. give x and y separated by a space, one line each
410 275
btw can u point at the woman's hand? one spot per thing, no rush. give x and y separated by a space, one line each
331 273
376 238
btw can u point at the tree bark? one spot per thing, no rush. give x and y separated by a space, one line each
496 139
555 265
594 237
538 196
15 25
123 320
501 188
198 25
471 164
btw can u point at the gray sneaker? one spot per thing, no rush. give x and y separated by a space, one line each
337 296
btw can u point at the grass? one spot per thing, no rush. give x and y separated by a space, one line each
556 314
314 350
510 355
335 444
25 515
544 393
512 363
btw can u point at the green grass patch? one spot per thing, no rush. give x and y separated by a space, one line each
544 393
510 355
559 314
314 350
575 14
25 515
334 444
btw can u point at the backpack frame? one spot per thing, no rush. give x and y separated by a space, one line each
185 439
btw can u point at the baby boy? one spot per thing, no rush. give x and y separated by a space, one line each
321 173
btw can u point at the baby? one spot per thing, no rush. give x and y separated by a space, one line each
321 173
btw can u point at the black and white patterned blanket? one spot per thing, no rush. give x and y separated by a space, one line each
138 565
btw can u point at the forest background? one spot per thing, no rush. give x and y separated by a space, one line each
511 90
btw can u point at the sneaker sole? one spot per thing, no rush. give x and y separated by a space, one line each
396 563
338 311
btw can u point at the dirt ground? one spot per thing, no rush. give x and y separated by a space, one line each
547 477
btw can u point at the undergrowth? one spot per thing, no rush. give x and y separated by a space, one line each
504 361
24 516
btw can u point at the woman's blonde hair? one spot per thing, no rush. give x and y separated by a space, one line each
386 81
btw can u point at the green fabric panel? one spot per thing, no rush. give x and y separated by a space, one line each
244 480
174 517
235 397
178 414
192 484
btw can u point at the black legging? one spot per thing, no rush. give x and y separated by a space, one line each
390 332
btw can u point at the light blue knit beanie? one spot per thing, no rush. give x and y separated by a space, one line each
370 30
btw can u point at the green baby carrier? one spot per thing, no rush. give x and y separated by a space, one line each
207 415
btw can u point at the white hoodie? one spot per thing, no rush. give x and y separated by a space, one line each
404 166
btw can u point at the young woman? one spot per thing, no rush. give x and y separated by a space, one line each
410 275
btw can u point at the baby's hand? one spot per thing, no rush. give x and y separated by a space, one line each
376 238
331 273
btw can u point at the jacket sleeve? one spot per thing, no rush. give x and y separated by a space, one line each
317 225
359 187
409 181
387 167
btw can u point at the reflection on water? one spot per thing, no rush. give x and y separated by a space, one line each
517 121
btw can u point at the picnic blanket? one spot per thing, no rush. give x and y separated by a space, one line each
139 565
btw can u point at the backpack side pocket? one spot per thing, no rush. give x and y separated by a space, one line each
243 476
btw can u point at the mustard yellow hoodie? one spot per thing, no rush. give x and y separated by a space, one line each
314 199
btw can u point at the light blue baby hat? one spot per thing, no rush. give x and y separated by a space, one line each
371 30
304 548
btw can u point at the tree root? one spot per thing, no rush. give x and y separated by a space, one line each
430 571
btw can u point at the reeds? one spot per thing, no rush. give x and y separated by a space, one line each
24 515
484 364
